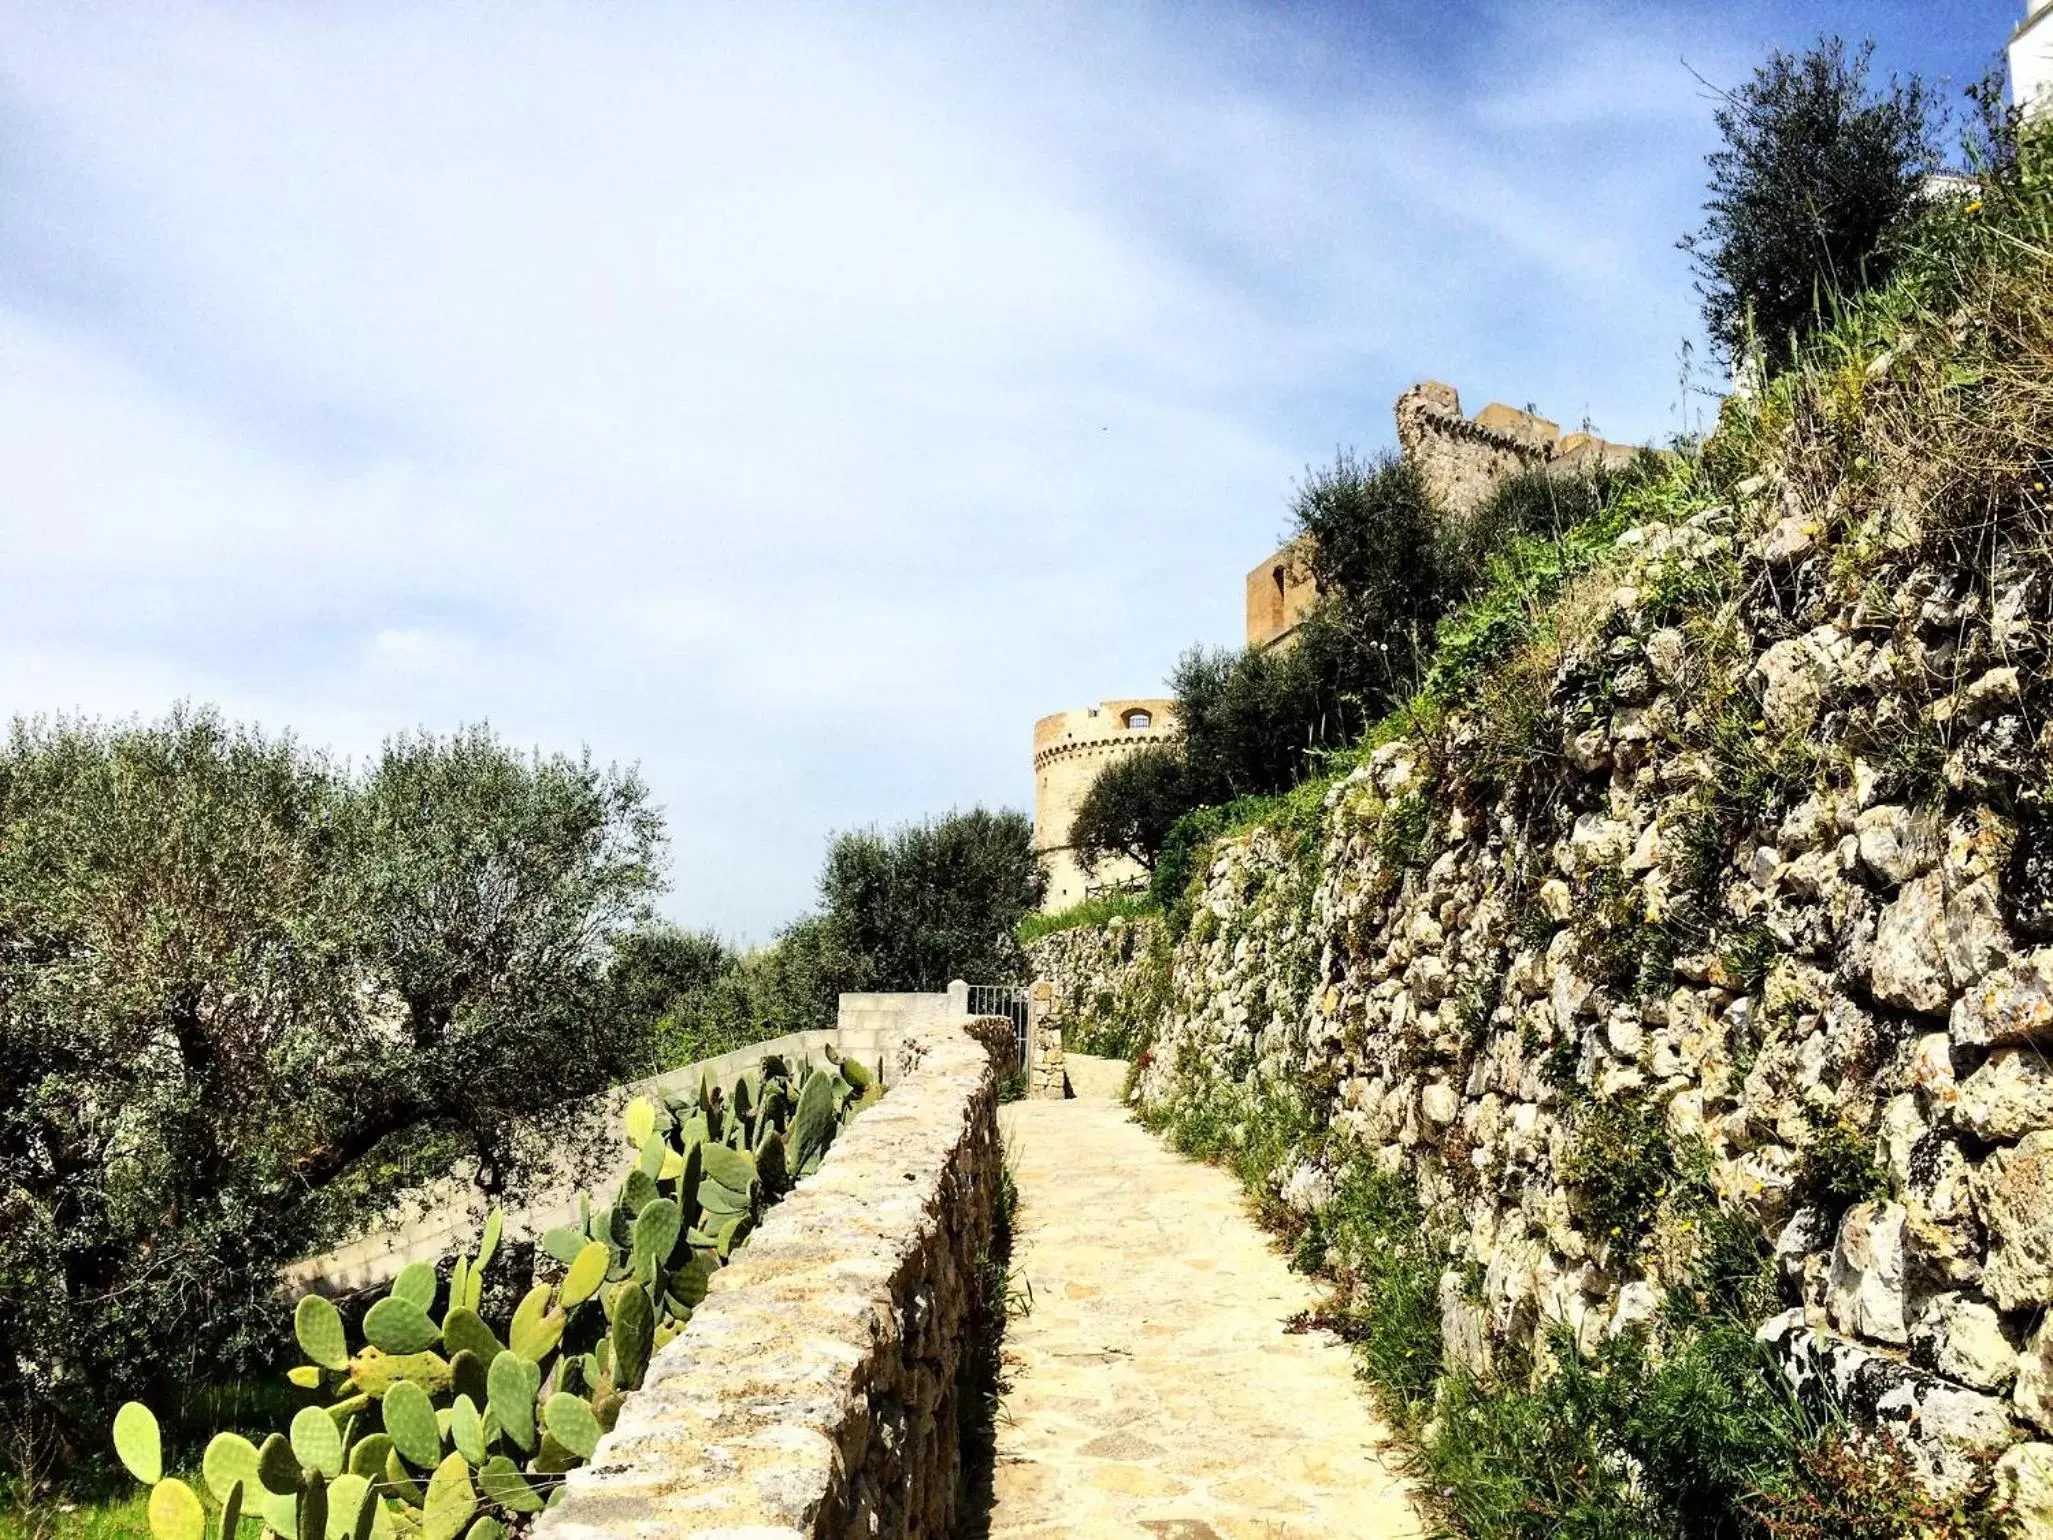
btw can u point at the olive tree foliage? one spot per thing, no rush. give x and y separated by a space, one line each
1252 720
692 996
229 967
928 902
490 888
1130 807
1814 172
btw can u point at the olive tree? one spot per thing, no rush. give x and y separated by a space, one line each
229 968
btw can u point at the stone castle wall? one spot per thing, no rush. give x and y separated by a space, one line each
1462 458
1453 983
815 1394
1070 748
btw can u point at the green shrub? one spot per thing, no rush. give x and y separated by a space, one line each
440 1421
235 969
1619 1164
930 902
1814 173
1130 807
1091 912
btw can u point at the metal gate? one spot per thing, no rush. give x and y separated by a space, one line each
1010 1001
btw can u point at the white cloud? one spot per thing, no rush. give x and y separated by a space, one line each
796 404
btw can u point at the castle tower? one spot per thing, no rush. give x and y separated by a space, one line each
1070 748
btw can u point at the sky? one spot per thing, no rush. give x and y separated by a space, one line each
791 401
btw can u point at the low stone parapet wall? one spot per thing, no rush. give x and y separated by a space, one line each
817 1391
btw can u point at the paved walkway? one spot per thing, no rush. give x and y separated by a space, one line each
1154 1390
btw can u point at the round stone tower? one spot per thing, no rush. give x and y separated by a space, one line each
1070 748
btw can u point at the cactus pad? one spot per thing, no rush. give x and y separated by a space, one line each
639 1120
465 1331
373 1372
138 1443
655 1232
346 1496
535 1328
278 1467
732 1169
417 1282
514 1383
467 1430
175 1512
572 1424
589 1270
451 1500
230 1460
467 1375
367 1455
317 1441
565 1242
505 1485
281 1512
488 1243
398 1325
318 1326
411 1425
634 1320
638 1190
313 1507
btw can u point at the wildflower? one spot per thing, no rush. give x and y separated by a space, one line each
1974 206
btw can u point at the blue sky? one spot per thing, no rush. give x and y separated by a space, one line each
795 400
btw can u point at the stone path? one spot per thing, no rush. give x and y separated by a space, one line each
1154 1392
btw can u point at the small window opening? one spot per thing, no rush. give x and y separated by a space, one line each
1136 720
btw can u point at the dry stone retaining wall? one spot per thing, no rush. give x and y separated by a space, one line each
1458 985
816 1392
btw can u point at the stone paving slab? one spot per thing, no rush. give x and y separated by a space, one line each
1154 1391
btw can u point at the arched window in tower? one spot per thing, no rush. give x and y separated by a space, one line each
1138 721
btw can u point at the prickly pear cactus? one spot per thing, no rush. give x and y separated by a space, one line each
444 1425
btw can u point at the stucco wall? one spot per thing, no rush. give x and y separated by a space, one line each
815 1393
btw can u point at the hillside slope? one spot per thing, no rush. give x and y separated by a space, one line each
1656 1016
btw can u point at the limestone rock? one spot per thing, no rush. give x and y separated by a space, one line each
1907 968
2035 1376
1439 1102
1667 651
1950 1433
2014 1004
1976 940
1865 1293
1897 844
2024 1486
1786 541
1795 686
1958 1431
1962 1338
2009 1096
1308 1188
1903 1125
1945 1237
2013 1189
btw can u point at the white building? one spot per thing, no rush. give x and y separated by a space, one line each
2031 58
